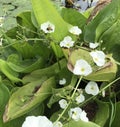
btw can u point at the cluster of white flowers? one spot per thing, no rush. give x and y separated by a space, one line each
62 81
77 114
68 42
40 121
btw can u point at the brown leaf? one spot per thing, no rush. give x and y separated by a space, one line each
100 5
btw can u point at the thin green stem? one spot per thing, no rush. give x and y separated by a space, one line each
100 91
72 96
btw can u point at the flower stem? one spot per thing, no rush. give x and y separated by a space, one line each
72 96
100 91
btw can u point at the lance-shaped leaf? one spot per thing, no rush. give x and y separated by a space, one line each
45 11
102 22
104 73
27 97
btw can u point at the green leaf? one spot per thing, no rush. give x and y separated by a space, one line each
106 73
27 68
57 50
73 17
8 72
102 113
32 94
48 71
24 48
117 116
45 11
102 22
80 124
24 19
111 40
4 96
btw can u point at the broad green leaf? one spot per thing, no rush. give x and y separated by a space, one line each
111 40
102 114
4 96
48 71
8 72
32 94
26 68
24 48
73 17
19 121
106 73
80 123
45 11
24 19
102 22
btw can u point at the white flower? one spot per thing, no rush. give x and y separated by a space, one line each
98 57
63 103
93 45
74 113
1 21
67 42
80 98
82 68
75 30
47 27
83 116
92 88
62 81
103 93
58 124
37 121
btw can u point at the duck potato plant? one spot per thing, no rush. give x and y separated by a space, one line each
57 70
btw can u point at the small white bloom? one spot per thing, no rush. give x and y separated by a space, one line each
80 98
83 116
67 42
37 121
103 93
98 57
58 124
1 21
75 30
74 113
92 88
82 68
93 45
63 103
62 81
47 27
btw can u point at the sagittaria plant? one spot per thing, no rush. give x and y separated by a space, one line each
57 72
